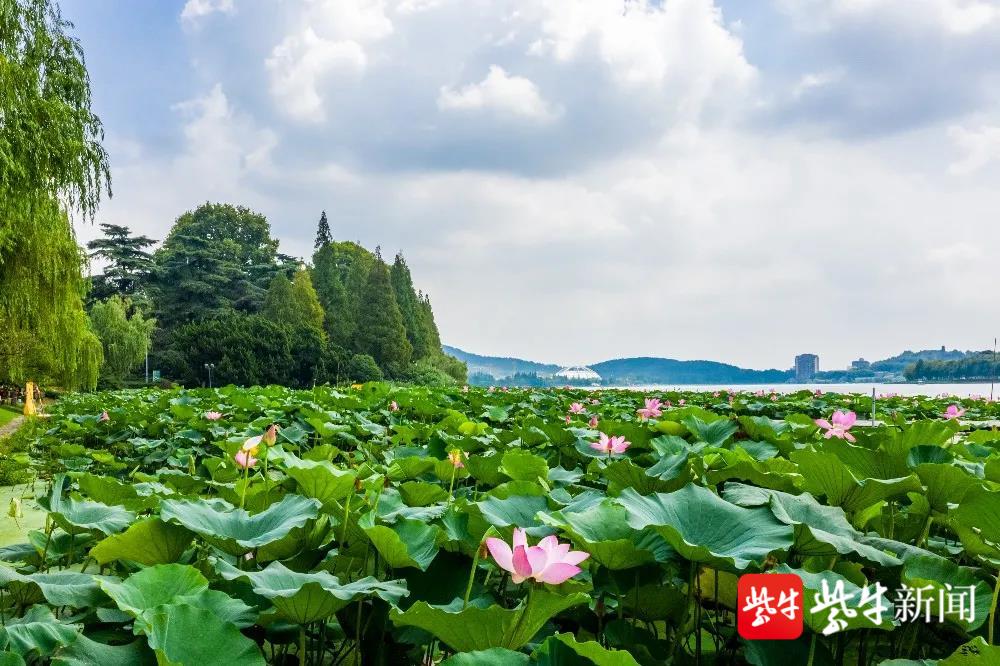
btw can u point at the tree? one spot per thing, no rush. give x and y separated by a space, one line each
52 165
409 306
380 332
129 265
323 235
363 368
216 259
309 311
125 339
340 273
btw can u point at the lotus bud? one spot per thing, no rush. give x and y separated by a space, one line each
270 435
15 510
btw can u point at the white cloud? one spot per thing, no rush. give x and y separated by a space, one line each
678 43
816 80
298 65
979 147
500 92
332 39
196 9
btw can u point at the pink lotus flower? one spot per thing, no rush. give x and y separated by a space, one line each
576 408
651 410
244 459
455 458
842 422
611 445
548 562
593 422
954 412
465 389
715 395
104 418
568 419
595 401
818 392
213 416
681 402
393 406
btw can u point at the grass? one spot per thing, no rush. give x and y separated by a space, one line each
8 414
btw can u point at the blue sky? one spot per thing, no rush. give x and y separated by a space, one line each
573 180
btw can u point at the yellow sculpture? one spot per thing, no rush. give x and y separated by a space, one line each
29 399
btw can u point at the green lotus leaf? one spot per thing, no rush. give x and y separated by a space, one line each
704 528
391 508
979 512
80 516
602 531
182 635
825 475
516 511
408 543
936 573
523 466
490 657
821 531
320 480
669 474
37 633
946 484
86 652
59 588
476 628
148 542
716 433
421 493
108 490
561 649
974 653
776 473
309 597
234 530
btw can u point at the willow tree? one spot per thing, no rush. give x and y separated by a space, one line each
52 167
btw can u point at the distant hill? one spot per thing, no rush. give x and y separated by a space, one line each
499 366
626 370
647 370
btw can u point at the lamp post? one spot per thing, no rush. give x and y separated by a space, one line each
210 367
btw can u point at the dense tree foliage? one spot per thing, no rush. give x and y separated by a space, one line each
128 267
380 331
52 165
217 258
124 338
336 321
979 366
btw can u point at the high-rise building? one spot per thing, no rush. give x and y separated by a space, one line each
806 367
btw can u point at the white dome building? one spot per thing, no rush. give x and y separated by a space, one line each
578 373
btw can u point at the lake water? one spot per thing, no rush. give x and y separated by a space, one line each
961 390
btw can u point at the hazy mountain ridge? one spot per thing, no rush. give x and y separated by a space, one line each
656 370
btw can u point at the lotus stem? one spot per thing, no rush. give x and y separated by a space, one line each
302 645
246 483
993 611
451 486
812 650
472 573
347 512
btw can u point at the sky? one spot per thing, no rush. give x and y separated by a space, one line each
577 180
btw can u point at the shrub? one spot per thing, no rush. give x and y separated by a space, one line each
363 368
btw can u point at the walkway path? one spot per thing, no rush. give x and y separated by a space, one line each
11 426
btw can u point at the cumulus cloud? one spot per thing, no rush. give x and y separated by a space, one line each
196 9
500 92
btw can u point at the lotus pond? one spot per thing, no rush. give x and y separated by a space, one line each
379 524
